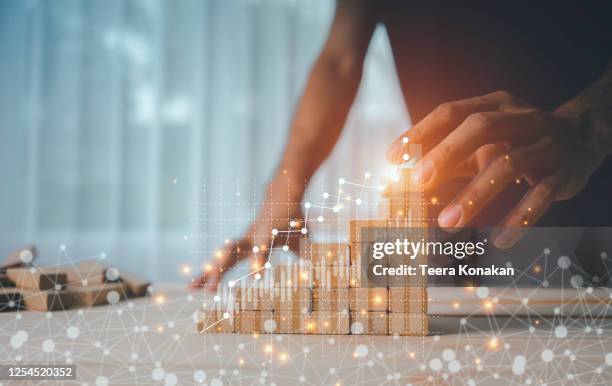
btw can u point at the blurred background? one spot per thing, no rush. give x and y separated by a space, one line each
147 129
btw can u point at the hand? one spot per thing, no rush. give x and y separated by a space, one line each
497 139
278 210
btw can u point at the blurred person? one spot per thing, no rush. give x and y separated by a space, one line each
503 92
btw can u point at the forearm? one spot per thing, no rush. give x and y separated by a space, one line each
321 114
593 108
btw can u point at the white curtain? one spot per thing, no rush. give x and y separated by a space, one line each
146 129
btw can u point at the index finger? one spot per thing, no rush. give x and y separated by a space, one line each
441 121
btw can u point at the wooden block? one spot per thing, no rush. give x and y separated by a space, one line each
408 324
293 275
330 299
369 323
297 299
331 276
290 322
44 301
214 322
355 276
19 258
357 233
37 278
91 296
408 300
10 299
5 281
137 287
255 322
255 298
329 323
330 254
92 273
369 299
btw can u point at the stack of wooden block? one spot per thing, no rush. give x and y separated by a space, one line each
328 294
334 291
52 288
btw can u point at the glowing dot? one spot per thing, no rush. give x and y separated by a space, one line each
256 249
231 283
274 231
547 355
285 248
405 140
304 231
26 256
62 247
518 181
320 219
217 298
325 195
507 156
358 201
470 202
226 315
405 157
456 305
268 265
367 175
336 208
492 182
434 200
525 222
341 181
529 209
257 276
292 223
307 205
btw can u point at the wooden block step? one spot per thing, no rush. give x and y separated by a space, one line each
330 299
255 298
293 275
297 299
408 324
329 323
330 254
255 322
408 300
369 323
19 258
369 299
331 276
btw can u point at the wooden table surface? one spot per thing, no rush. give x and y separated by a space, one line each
154 341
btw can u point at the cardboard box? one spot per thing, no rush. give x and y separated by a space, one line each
369 299
330 254
330 299
214 322
369 322
293 275
296 299
255 298
255 322
408 324
37 278
329 323
91 296
331 276
408 300
44 301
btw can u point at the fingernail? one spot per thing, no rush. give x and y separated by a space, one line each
450 216
503 240
424 171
